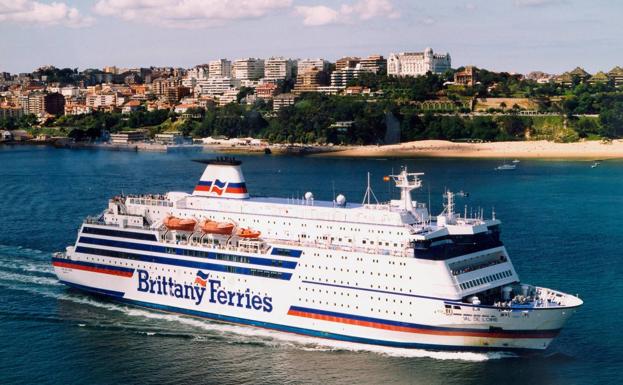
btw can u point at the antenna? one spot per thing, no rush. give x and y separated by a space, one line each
333 185
493 213
369 193
450 204
389 187
428 201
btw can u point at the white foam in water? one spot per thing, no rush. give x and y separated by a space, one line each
28 267
18 251
14 258
28 279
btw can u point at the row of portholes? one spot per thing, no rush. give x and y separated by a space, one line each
335 305
355 271
379 287
327 292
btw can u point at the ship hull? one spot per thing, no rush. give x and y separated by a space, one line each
131 285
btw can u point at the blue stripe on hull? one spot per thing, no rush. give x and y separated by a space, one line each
271 274
190 252
289 329
119 233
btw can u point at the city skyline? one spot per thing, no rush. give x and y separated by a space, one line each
510 35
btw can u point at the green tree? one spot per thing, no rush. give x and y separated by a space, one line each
611 120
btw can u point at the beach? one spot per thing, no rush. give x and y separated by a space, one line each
588 150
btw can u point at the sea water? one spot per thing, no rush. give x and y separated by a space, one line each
562 225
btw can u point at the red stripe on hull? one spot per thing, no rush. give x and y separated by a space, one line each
407 329
93 269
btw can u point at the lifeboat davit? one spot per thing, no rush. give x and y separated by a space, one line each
247 233
182 224
213 227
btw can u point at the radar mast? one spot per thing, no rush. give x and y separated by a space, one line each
406 182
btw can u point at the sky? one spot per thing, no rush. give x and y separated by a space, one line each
502 35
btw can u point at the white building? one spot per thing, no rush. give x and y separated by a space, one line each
169 138
220 67
305 65
126 137
417 63
101 100
194 75
69 92
229 96
198 72
283 100
248 69
277 68
214 85
340 78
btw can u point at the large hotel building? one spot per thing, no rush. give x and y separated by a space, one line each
417 63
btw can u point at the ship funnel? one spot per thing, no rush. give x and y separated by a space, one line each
222 178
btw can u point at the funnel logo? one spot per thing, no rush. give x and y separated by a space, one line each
218 187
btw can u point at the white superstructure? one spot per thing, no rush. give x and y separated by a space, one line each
386 274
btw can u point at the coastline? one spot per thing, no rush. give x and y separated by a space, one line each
586 150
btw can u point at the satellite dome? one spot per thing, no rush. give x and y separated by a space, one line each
340 200
309 196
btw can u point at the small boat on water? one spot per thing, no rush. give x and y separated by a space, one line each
516 161
506 167
181 224
595 164
213 227
248 233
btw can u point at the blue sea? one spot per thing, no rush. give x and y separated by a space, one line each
562 225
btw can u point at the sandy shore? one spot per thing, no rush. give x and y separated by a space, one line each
588 150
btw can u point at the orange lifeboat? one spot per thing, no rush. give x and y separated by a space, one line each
247 233
213 227
174 223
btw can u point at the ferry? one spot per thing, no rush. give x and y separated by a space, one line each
386 274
